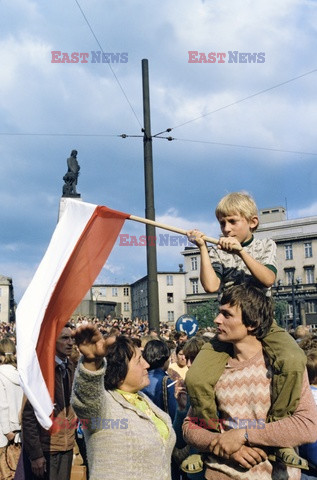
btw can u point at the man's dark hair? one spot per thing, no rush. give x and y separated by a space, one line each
156 353
257 309
118 357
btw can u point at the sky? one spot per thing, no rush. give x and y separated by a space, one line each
237 126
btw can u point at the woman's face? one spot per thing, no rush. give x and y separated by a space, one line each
137 376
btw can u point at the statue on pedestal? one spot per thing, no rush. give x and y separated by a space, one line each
71 177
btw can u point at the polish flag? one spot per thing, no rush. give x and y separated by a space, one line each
80 246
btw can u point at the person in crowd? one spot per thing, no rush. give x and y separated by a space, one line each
179 366
127 435
236 441
11 396
309 451
161 389
242 259
49 455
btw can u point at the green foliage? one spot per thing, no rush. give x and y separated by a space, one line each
280 312
205 313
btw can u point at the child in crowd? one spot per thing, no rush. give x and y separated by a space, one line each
240 258
309 450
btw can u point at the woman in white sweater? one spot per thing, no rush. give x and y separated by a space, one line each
127 436
10 405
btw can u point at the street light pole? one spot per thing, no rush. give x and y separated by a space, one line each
151 259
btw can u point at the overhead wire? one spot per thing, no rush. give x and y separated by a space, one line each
108 63
245 98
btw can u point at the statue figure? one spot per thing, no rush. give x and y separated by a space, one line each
71 177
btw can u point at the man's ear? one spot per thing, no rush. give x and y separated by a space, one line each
253 222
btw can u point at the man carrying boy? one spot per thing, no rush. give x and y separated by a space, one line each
242 259
243 394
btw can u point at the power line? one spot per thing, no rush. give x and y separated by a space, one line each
246 98
57 134
246 146
124 135
109 65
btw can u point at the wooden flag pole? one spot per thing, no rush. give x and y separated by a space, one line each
168 227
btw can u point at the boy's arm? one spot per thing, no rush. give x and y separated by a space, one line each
262 273
208 277
259 270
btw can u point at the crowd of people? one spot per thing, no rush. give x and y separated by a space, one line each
236 401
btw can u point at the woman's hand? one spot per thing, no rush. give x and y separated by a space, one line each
92 344
228 442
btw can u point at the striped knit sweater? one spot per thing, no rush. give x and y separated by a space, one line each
243 397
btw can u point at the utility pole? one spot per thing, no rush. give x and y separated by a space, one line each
151 259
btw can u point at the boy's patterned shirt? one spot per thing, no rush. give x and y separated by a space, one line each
231 269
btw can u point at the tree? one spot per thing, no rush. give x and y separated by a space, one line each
280 312
205 313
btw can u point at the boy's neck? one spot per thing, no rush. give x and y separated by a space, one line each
247 241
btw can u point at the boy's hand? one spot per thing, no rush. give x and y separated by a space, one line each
229 244
195 236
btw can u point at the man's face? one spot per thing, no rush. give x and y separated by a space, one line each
64 344
229 324
238 227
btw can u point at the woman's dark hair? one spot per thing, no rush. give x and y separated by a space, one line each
256 308
156 353
118 357
180 347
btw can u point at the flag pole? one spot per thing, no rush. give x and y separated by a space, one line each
170 228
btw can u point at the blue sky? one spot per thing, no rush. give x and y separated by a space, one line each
38 97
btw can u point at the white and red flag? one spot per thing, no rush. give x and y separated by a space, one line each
80 246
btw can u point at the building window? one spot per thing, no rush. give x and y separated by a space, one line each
0 292
169 279
311 307
170 298
309 274
126 307
289 276
194 263
308 249
114 291
170 316
194 285
126 291
289 252
102 291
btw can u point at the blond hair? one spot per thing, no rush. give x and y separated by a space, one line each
240 203
7 352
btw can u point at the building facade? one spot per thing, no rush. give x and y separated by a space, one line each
7 304
296 283
171 291
106 299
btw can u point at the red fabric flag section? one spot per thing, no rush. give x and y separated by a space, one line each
80 246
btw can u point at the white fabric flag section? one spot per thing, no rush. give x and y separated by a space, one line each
79 247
